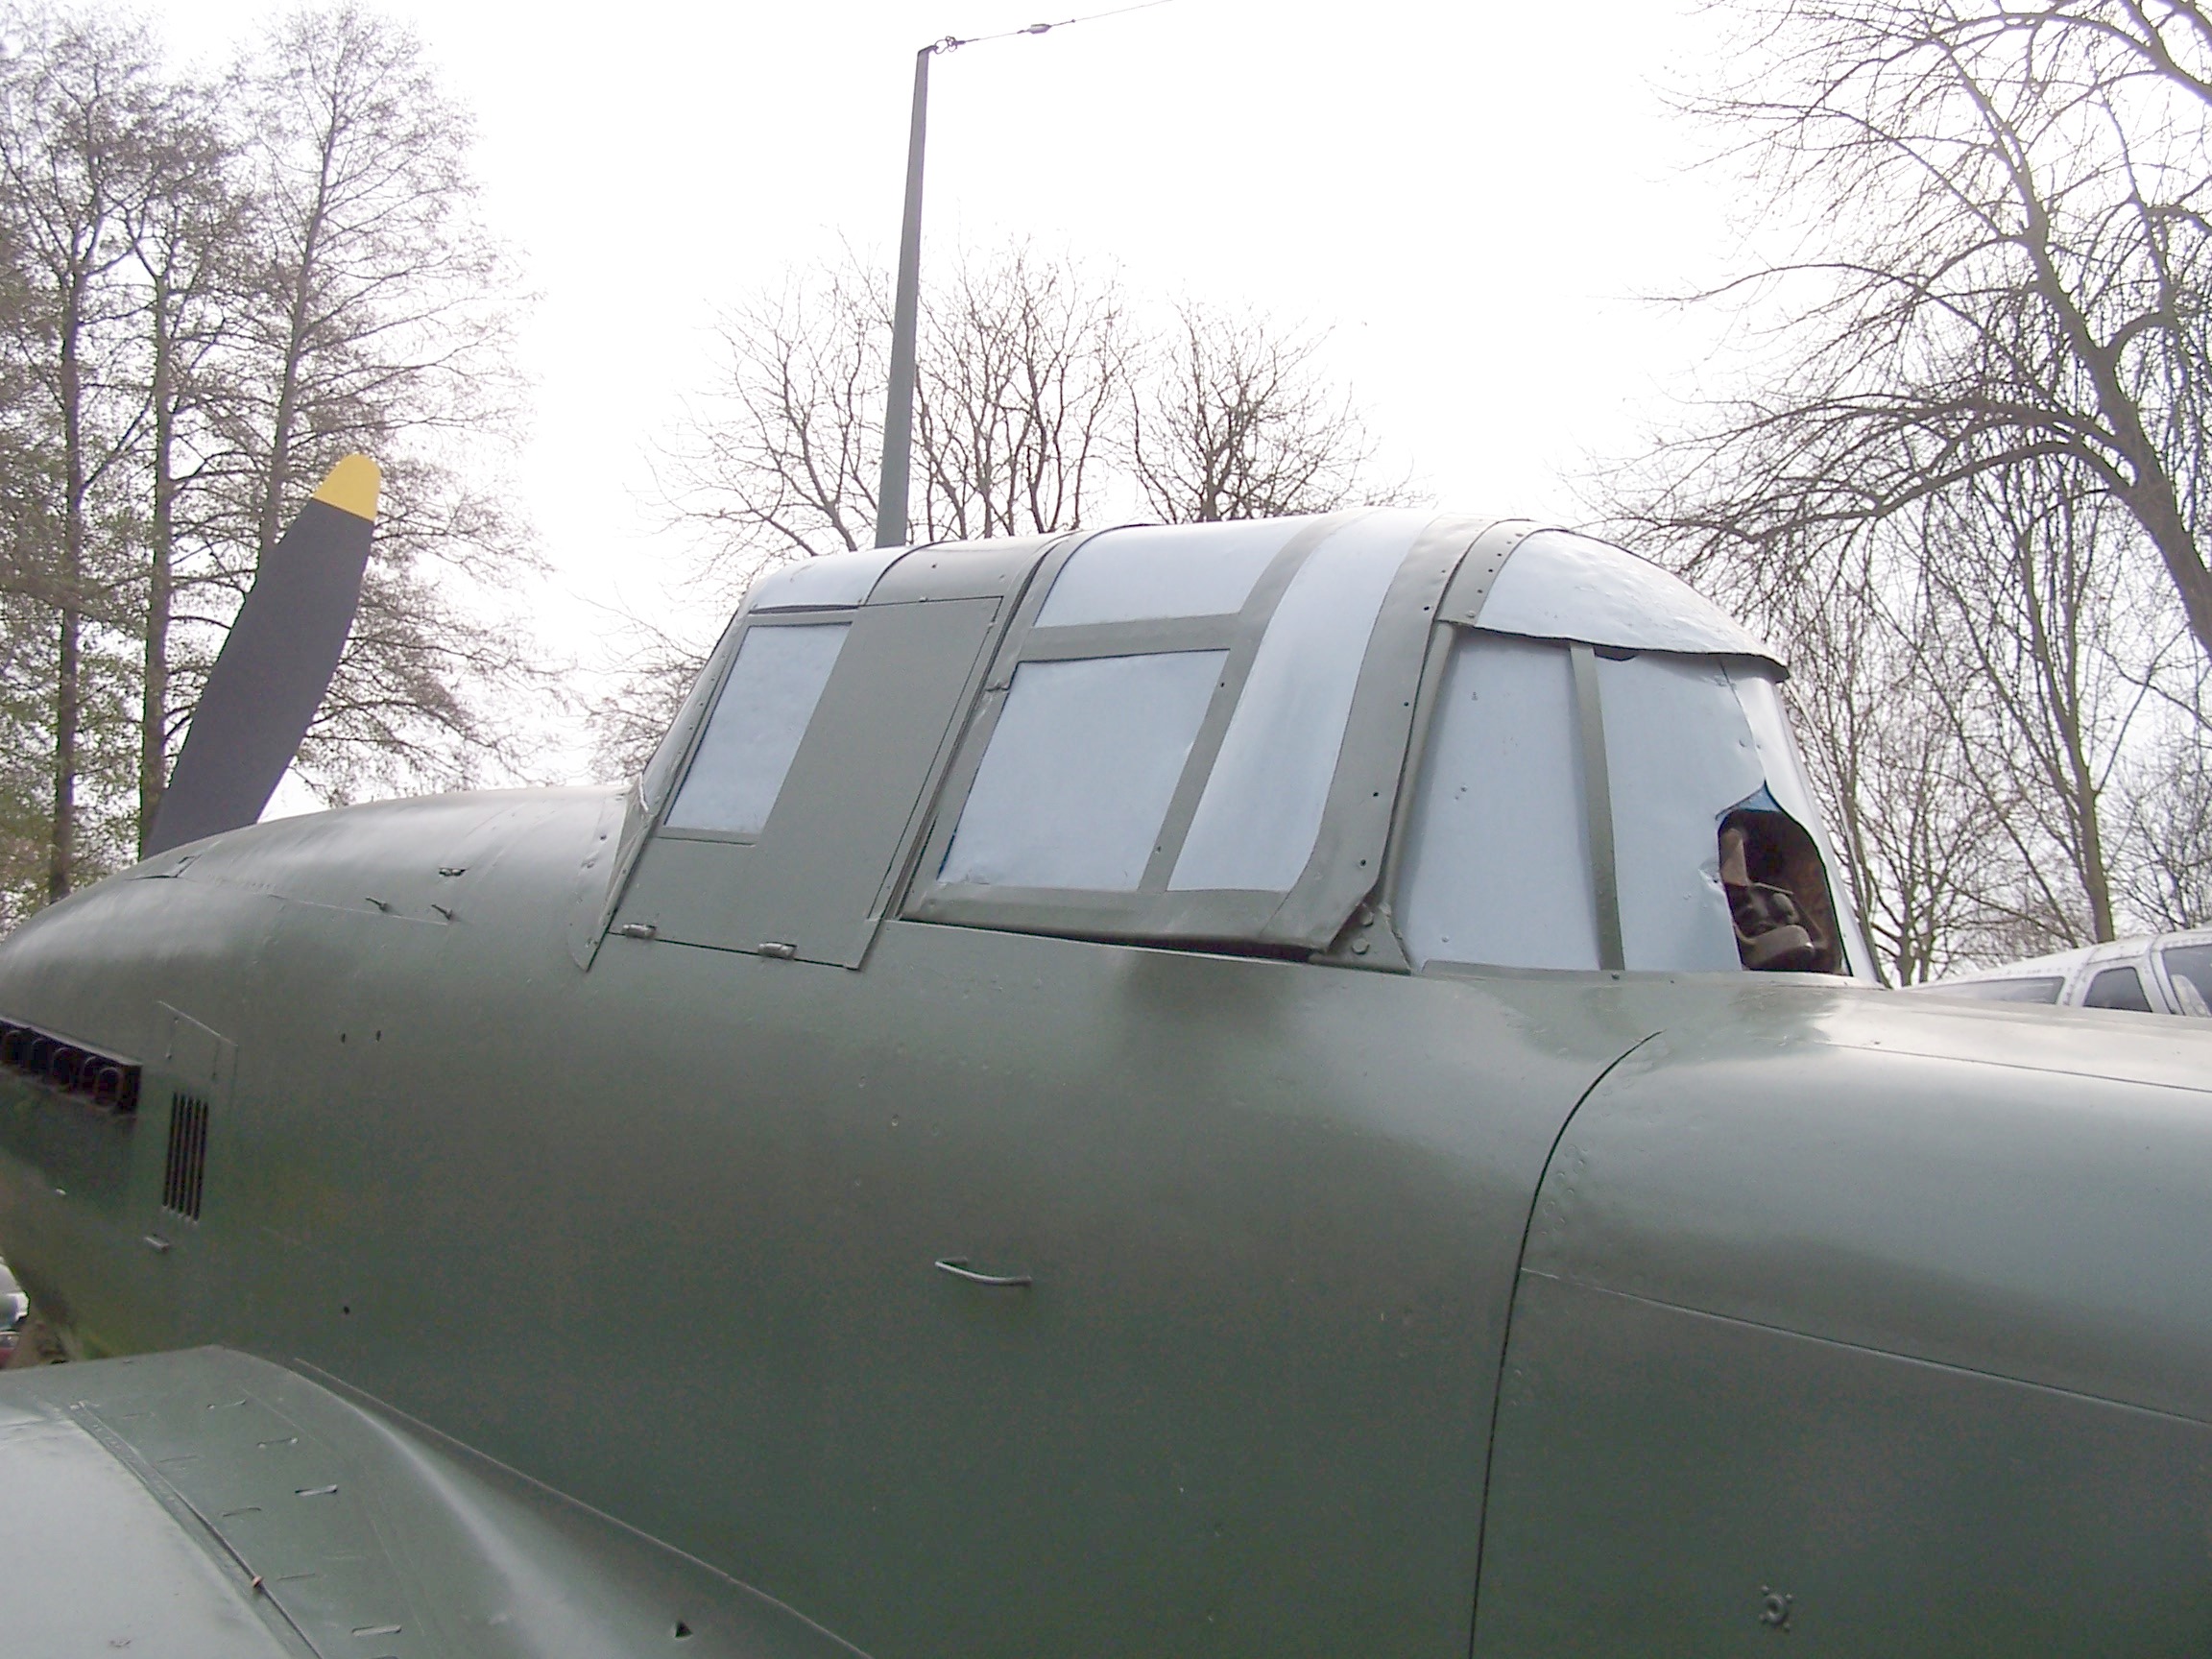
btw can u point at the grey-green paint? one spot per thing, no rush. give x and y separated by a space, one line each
1369 1312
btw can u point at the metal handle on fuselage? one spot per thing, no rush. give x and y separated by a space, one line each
957 1266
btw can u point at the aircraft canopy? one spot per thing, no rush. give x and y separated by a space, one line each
1521 746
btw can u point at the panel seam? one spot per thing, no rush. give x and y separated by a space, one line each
1513 1299
1872 1352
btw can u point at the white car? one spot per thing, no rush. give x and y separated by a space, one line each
2150 973
14 1306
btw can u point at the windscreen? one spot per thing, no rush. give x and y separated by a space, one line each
1712 855
1162 570
1262 809
676 743
1115 766
2189 971
2043 988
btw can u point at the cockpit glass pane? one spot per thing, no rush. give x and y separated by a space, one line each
1164 570
1560 586
1081 766
1679 755
1497 857
1257 821
2189 971
661 770
1712 869
754 732
1784 769
827 581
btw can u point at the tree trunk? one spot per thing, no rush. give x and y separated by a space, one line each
2157 510
2081 783
2150 495
61 845
279 478
297 304
68 694
153 690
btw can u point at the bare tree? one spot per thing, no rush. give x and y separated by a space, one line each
1978 432
1234 418
2027 577
777 459
77 107
2014 272
378 318
1019 393
185 234
1020 383
1039 406
1871 690
2167 876
1038 401
205 297
27 617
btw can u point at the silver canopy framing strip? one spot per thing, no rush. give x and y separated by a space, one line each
1371 940
1346 867
1598 805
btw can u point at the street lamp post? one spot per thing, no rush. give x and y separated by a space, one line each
905 313
891 514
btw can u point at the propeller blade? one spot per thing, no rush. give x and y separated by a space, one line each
273 668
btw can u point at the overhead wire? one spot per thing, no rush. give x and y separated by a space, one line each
954 42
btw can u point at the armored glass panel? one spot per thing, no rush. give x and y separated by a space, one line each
1559 585
2118 988
1679 755
1261 808
1761 700
1497 857
1080 768
2189 971
756 728
2042 989
1164 570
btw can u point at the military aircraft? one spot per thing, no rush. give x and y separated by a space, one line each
1281 1087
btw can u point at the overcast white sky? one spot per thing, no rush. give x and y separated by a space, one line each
1474 197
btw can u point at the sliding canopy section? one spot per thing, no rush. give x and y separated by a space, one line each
1196 733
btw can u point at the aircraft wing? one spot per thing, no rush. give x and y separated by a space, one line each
208 1504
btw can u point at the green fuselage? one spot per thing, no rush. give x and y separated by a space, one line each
985 1144
1631 1301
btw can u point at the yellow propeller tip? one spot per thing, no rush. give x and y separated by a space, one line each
351 487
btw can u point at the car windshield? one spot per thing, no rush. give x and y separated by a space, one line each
2189 971
2118 988
2041 989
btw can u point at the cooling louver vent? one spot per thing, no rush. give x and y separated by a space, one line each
186 1170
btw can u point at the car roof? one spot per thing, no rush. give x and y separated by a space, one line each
2066 963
